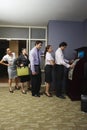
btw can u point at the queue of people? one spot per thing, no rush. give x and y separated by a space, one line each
33 63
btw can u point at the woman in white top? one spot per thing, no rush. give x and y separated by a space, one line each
9 58
49 62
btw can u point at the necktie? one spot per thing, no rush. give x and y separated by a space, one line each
38 56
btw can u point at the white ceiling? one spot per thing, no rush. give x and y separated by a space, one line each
39 12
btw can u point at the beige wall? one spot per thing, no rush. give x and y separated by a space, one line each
13 45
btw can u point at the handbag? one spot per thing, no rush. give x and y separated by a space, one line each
22 71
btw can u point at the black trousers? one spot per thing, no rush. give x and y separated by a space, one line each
36 83
59 73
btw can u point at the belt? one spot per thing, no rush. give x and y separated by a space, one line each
37 65
59 65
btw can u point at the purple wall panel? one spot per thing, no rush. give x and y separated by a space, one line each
71 32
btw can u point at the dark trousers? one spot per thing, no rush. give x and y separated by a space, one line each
36 83
59 73
65 80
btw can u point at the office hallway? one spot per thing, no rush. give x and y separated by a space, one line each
24 112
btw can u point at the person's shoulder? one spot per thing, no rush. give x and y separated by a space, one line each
13 52
5 56
48 54
58 50
32 50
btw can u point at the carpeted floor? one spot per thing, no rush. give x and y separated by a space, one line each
24 112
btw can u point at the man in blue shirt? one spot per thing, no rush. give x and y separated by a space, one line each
35 59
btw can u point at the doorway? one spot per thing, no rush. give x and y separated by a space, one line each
3 69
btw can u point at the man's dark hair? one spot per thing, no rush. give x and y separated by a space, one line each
62 44
38 42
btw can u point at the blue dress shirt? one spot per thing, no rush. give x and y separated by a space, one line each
35 58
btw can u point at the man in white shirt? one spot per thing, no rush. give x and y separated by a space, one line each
59 68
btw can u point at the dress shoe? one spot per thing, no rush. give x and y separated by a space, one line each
61 96
36 95
33 94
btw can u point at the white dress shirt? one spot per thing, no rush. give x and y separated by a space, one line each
48 58
59 58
